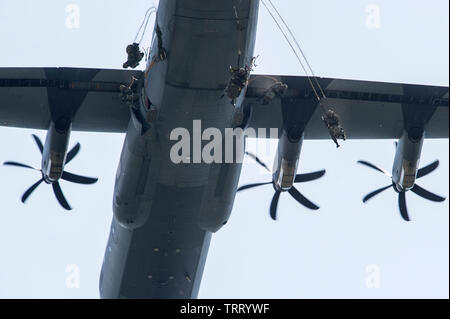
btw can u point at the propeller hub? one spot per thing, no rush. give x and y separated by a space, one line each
398 188
47 179
401 189
278 188
300 178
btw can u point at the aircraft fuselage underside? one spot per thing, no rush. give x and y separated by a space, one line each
165 212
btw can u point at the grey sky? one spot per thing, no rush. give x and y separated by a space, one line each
304 254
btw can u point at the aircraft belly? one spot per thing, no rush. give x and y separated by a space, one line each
176 206
165 257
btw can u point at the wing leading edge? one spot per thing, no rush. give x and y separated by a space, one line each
29 97
368 110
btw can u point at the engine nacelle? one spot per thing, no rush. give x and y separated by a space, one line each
55 149
287 159
407 157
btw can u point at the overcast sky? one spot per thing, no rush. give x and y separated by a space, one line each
346 249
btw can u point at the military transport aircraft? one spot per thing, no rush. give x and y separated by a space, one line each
166 211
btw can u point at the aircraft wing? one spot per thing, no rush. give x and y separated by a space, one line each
29 97
368 110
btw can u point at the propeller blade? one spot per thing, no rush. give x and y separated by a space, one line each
19 165
252 186
39 143
31 190
426 194
60 196
300 178
427 169
256 158
375 167
402 206
78 179
376 192
274 205
302 199
73 152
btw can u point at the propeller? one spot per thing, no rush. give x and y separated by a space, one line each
402 195
65 176
294 192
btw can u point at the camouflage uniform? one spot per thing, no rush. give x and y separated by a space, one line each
134 56
335 129
277 90
238 81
